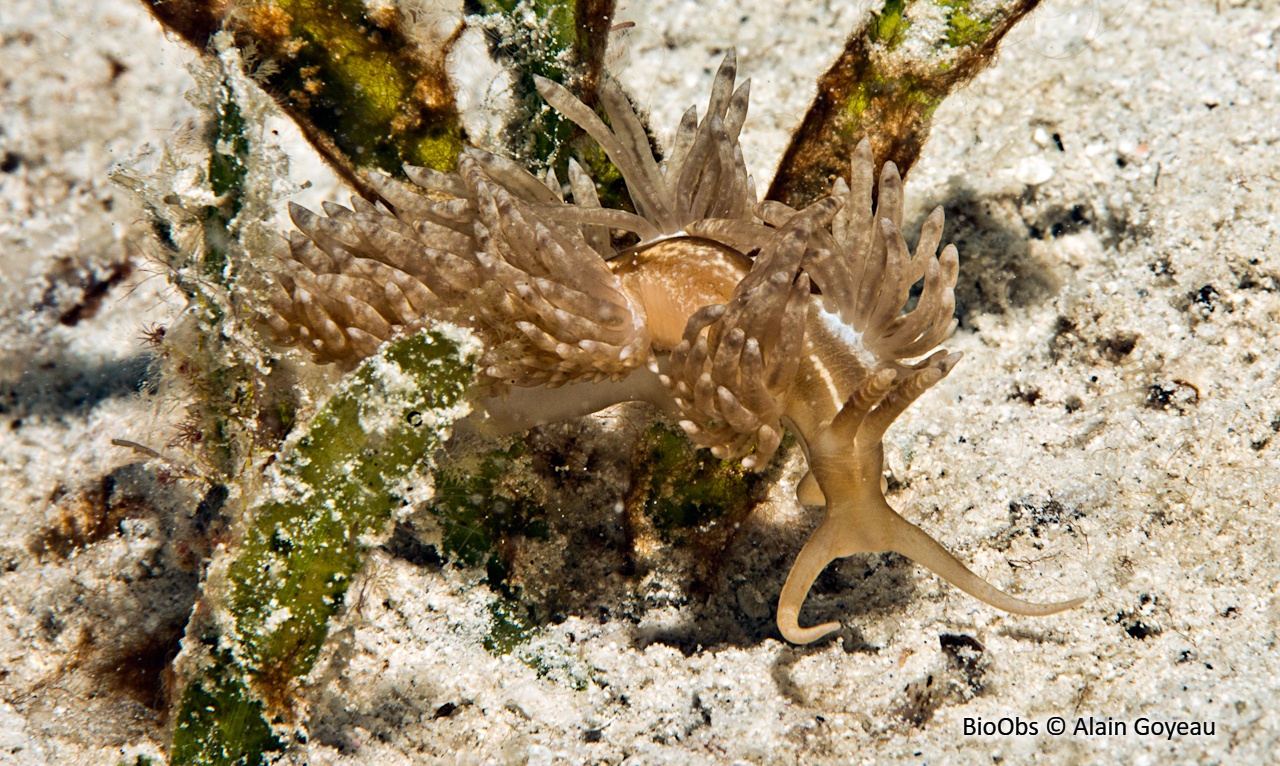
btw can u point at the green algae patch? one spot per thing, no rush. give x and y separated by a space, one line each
357 76
886 85
336 486
563 41
963 29
685 490
342 480
359 80
483 496
889 26
228 168
510 627
220 723
488 498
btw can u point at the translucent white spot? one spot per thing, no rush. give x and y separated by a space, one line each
1033 171
843 332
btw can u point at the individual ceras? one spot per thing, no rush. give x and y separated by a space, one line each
739 318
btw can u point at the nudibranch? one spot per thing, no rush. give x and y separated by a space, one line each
737 317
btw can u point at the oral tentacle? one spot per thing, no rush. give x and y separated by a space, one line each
871 526
916 544
809 563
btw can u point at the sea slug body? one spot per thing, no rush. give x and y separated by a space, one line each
740 318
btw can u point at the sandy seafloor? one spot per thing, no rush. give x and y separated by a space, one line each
1112 431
